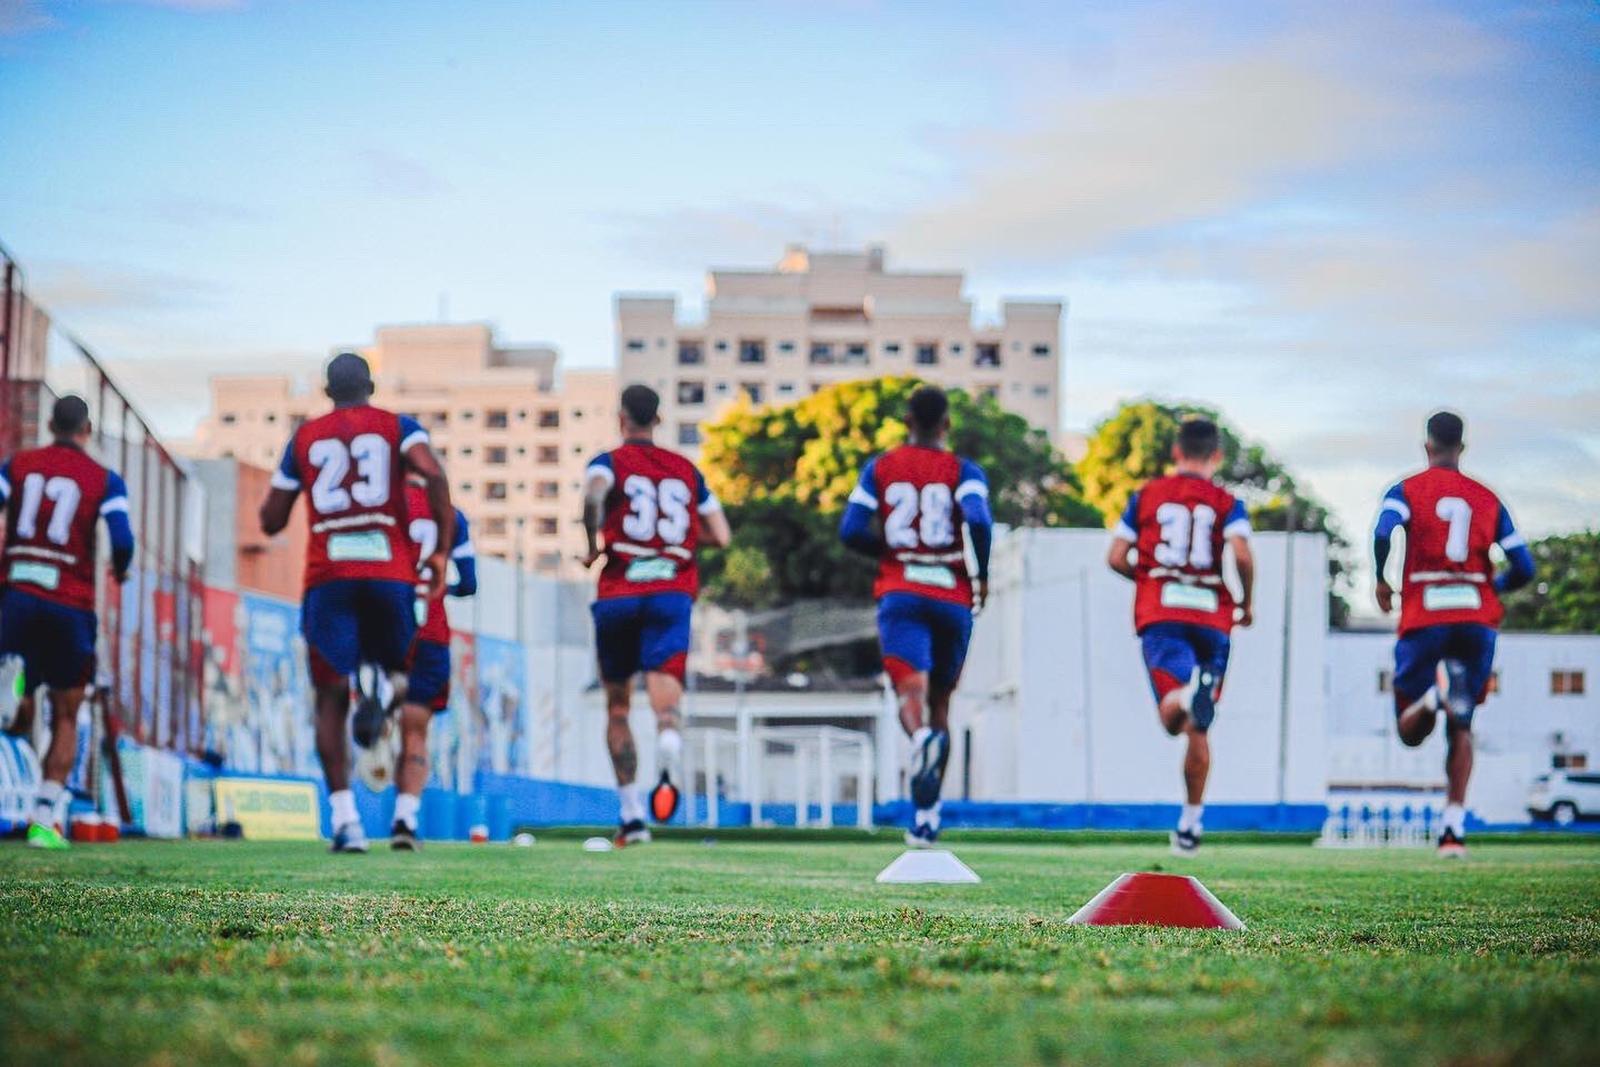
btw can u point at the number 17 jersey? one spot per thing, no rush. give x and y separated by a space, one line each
651 527
1179 523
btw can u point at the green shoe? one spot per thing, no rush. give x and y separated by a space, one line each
42 836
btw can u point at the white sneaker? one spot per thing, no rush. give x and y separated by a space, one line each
349 838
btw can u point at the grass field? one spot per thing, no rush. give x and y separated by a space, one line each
210 952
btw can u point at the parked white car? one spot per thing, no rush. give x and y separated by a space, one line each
1564 797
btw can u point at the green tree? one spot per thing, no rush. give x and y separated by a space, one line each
784 474
1564 597
1134 445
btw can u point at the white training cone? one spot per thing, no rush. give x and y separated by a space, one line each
596 844
927 865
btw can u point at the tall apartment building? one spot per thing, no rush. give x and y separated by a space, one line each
513 430
774 336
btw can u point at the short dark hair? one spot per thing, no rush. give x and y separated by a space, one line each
1445 429
1198 437
927 408
349 378
69 416
641 403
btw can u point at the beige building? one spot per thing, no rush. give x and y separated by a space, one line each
774 336
514 431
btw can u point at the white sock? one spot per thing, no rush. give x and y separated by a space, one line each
343 805
929 817
406 806
1455 819
632 802
921 736
1190 817
669 747
1431 699
48 799
1186 694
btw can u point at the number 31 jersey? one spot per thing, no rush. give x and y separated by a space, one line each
350 464
1451 521
1179 523
917 493
651 526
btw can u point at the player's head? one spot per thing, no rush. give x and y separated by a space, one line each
69 419
641 408
928 413
349 379
1446 437
1198 444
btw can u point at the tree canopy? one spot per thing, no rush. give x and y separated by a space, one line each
784 474
1564 597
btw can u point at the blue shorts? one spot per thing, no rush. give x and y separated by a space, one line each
429 684
354 621
642 633
1172 651
1417 656
56 642
923 635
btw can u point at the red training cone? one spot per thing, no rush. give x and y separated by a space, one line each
1156 900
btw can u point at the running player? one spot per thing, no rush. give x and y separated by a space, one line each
1183 611
54 498
361 568
645 510
923 494
428 688
1449 604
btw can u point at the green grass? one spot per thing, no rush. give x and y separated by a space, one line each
212 952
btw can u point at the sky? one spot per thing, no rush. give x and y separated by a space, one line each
1324 219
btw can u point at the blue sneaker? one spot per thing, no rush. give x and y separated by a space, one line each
349 838
922 836
1203 708
1185 842
1458 700
927 769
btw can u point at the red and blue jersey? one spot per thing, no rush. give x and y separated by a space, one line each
1451 522
54 498
651 526
424 533
1179 523
351 464
923 498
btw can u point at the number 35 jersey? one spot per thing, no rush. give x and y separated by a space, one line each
651 526
917 494
54 498
1179 523
1451 521
350 465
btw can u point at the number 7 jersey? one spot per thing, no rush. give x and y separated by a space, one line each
1179 523
651 527
1451 521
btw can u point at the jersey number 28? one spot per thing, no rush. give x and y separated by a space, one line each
919 517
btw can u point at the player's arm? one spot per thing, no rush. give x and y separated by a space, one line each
856 527
1395 513
279 505
597 483
1123 538
1519 560
714 528
465 558
973 496
420 460
114 512
1236 532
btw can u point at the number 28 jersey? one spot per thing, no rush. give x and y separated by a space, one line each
1451 521
917 493
350 464
1179 523
650 530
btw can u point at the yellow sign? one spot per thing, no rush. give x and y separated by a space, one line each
269 810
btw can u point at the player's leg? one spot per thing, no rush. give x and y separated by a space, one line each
617 634
950 632
57 647
1173 670
905 632
1469 659
1416 696
386 622
664 655
16 644
329 623
1211 649
427 693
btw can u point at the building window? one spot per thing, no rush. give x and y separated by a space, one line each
786 347
786 389
752 351
691 392
989 392
821 352
988 355
722 346
1385 681
522 487
722 388
751 390
689 433
1041 390
466 450
549 419
956 348
437 419
547 561
495 527
444 453
547 490
522 414
494 490
1041 350
892 348
1566 683
496 419
229 418
635 344
466 415
855 353
465 488
927 354
495 455
549 454
690 354
546 526
272 417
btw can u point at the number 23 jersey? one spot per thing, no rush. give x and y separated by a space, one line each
651 527
350 464
1179 523
1451 521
